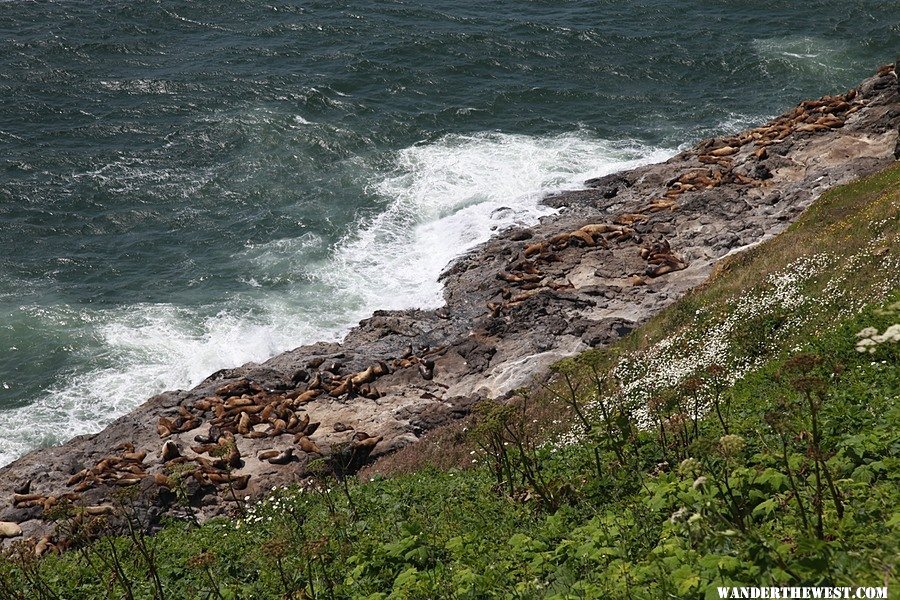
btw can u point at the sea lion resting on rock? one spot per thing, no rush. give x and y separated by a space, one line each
661 259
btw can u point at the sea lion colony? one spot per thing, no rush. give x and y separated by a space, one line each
620 251
526 278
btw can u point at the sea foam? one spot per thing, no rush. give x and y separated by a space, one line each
453 194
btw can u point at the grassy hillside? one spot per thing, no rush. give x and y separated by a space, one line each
750 434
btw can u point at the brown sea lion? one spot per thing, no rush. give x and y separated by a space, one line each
244 424
585 237
164 427
345 387
306 444
42 546
426 370
533 249
363 376
169 451
286 456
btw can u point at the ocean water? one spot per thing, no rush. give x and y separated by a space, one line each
190 186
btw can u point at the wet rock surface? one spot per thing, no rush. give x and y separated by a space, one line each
615 254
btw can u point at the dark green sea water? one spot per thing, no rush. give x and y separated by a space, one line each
189 186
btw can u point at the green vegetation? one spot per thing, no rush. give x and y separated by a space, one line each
748 435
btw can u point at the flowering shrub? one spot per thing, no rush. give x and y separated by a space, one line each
870 339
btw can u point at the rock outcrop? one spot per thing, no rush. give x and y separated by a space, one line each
615 254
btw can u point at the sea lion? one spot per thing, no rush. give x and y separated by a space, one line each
87 484
238 402
841 106
101 509
811 127
74 479
519 298
41 546
300 423
595 229
307 396
381 369
510 278
237 482
283 458
8 529
244 424
203 405
267 454
366 444
680 187
204 448
22 498
23 488
306 444
233 457
216 464
660 270
188 425
237 388
583 236
369 391
661 204
831 122
316 382
345 387
560 240
426 369
164 427
299 376
723 151
135 456
363 376
532 249
169 451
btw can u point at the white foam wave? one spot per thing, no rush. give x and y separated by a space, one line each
442 198
141 350
448 196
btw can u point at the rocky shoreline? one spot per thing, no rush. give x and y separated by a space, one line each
615 254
